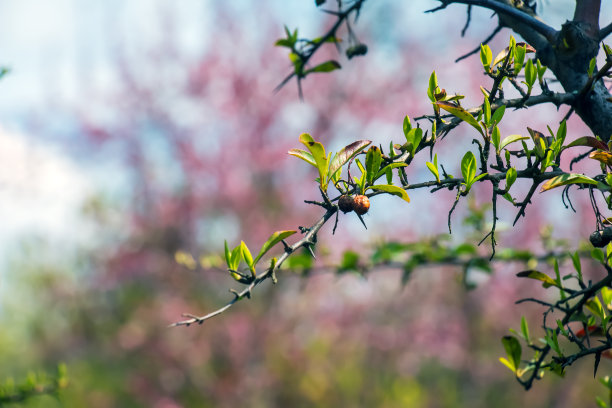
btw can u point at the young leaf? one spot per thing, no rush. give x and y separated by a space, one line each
434 169
248 258
235 258
304 155
274 239
388 168
327 66
508 364
347 153
318 153
513 351
486 56
530 75
373 161
433 85
413 139
510 177
498 114
407 126
592 65
576 261
561 132
511 139
606 295
525 329
461 113
495 138
589 141
391 189
566 179
468 167
486 108
228 256
532 274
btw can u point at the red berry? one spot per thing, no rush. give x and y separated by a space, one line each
361 204
345 203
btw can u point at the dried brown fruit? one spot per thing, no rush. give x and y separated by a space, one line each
361 204
345 203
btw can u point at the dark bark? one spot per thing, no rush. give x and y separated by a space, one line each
567 54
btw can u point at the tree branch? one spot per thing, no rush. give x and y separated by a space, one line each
542 28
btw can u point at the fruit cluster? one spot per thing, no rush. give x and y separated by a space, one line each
601 238
359 203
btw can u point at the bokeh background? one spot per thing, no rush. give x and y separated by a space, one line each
133 130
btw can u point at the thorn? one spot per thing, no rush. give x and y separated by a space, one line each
335 224
362 221
309 247
288 248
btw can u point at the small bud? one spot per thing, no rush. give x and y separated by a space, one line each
361 204
345 203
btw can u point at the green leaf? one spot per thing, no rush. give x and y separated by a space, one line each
525 329
373 161
589 141
537 275
530 75
327 66
235 258
508 364
541 70
228 256
461 113
576 261
468 167
433 85
566 179
318 153
407 126
347 153
350 261
495 137
592 65
434 169
486 56
598 255
498 114
284 42
600 402
562 131
519 58
274 239
511 139
391 189
388 168
510 177
248 258
606 295
595 307
513 351
413 139
486 108
304 155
